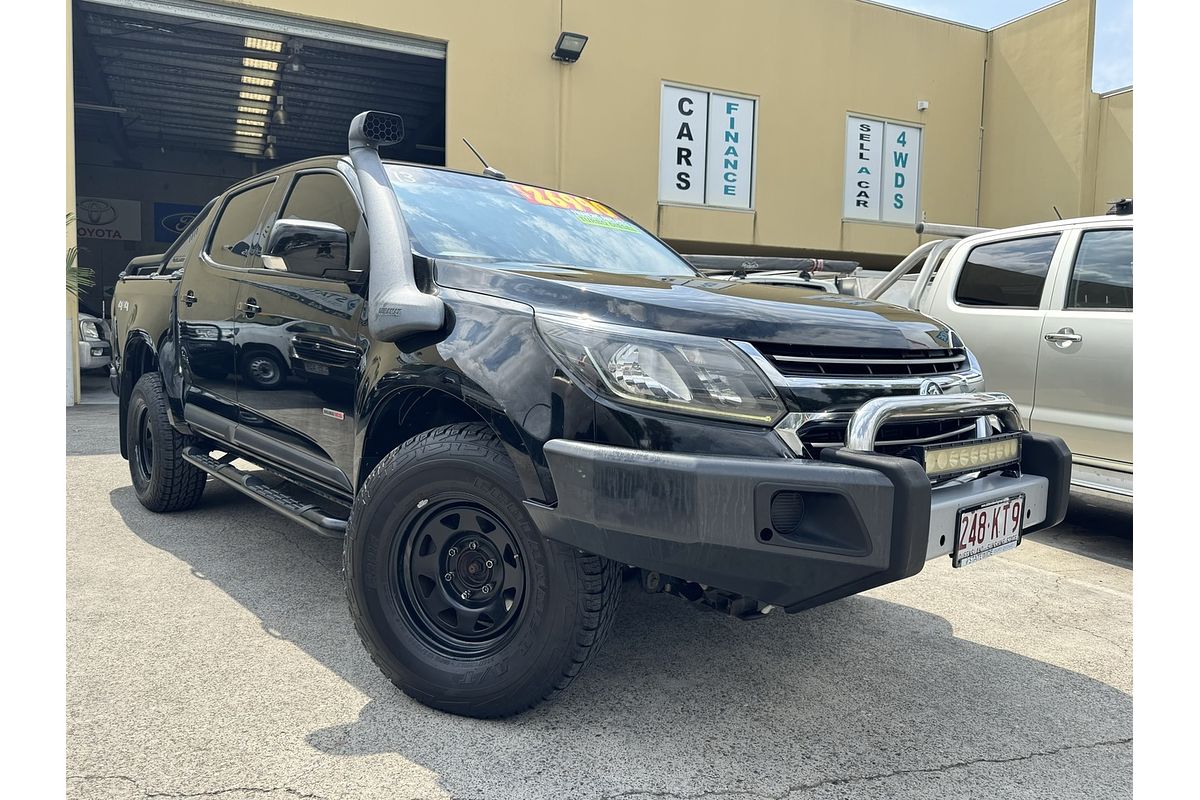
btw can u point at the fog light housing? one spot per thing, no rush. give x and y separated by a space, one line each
958 458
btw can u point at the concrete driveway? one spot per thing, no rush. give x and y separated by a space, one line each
210 654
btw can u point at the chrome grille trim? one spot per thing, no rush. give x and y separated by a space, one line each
969 379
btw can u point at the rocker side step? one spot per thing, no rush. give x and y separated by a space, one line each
306 514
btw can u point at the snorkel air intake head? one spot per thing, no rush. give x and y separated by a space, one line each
396 307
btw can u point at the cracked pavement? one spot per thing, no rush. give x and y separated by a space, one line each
210 654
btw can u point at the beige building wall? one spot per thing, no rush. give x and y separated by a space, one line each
1114 151
1038 116
592 127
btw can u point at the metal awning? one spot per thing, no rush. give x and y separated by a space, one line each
197 76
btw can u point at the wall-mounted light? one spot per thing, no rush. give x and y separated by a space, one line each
280 115
922 105
269 151
294 64
569 47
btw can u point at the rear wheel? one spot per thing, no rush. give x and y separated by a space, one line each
162 480
458 598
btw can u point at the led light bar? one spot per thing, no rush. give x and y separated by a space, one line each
257 97
957 458
255 134
255 123
251 110
260 63
268 45
251 80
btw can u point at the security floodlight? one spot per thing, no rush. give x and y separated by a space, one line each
569 47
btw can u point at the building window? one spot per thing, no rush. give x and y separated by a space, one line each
883 171
706 148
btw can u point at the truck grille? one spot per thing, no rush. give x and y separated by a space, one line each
852 362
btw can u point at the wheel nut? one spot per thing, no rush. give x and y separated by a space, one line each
452 552
465 595
449 576
473 545
489 563
487 588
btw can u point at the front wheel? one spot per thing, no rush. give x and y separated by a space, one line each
458 598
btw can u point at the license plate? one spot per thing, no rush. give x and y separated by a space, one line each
317 369
988 529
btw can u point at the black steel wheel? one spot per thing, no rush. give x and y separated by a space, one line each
462 576
458 598
162 480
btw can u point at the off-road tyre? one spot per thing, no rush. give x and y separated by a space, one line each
162 480
568 598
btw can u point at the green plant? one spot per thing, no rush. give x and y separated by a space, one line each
78 278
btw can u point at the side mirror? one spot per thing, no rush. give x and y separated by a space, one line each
308 247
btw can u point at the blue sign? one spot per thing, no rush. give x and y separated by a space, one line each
171 218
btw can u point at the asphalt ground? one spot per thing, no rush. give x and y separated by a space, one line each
210 654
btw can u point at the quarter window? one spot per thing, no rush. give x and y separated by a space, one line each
236 232
1006 274
1102 277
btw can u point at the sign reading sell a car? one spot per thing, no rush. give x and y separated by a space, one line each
883 170
106 218
706 148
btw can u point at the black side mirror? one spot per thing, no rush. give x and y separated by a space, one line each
308 247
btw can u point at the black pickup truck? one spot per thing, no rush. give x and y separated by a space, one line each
504 396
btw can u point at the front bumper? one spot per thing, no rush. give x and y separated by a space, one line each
94 354
868 518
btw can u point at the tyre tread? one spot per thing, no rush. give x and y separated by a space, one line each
181 484
599 578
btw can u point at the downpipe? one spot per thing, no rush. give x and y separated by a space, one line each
396 307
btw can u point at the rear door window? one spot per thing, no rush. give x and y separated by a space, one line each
1102 277
1008 274
235 235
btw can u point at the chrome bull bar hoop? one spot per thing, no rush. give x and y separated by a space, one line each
872 415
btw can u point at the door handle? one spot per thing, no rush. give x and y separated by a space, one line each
189 298
250 307
1063 338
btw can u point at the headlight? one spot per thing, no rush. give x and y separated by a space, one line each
90 331
669 371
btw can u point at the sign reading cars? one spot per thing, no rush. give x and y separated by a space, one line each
883 170
706 148
107 218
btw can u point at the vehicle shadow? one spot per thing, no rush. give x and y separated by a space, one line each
1097 526
681 698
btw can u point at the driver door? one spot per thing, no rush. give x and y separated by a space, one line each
298 315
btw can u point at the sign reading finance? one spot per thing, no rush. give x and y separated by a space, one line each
883 171
706 148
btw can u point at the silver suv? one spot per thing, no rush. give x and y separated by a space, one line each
1048 311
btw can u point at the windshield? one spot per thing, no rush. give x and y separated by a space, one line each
451 215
